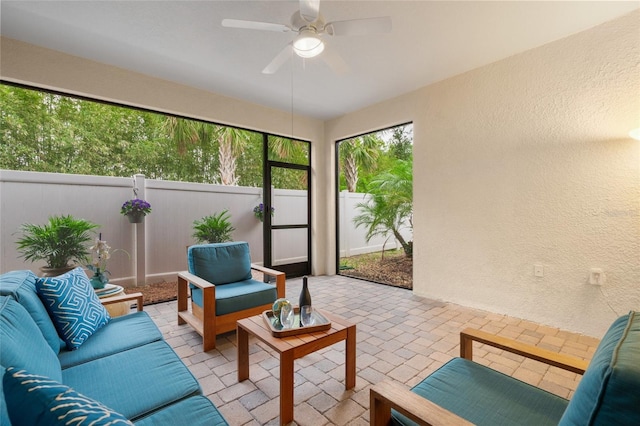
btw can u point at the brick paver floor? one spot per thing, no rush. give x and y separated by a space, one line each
400 337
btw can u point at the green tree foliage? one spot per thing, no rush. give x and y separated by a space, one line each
359 163
358 153
46 132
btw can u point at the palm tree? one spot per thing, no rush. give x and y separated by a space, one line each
355 153
231 142
390 208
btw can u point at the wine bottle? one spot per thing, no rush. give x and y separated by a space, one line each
305 296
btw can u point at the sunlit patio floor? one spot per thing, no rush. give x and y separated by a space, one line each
400 337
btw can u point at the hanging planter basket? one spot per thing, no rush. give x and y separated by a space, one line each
136 217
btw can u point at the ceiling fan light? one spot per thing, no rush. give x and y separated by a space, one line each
308 45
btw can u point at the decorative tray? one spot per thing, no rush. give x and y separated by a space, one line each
321 324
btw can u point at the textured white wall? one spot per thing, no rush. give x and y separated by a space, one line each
527 161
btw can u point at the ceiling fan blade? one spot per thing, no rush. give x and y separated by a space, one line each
364 26
334 61
254 25
309 10
279 60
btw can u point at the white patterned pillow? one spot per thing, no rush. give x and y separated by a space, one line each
38 400
73 305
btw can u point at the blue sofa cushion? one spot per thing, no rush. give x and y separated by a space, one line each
487 397
194 411
608 392
37 400
22 346
73 305
122 333
21 343
135 382
21 285
220 263
239 296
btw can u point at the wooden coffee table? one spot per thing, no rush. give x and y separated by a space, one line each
294 347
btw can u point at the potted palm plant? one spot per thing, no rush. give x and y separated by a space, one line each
216 228
60 243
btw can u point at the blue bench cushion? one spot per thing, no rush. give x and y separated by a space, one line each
21 285
135 382
608 392
487 397
122 333
220 263
193 411
37 400
239 296
73 305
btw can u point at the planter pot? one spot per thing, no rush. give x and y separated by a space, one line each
136 217
54 272
99 281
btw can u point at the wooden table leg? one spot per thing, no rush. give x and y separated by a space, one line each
286 387
350 362
243 353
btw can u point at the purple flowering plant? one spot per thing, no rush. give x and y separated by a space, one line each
135 206
258 211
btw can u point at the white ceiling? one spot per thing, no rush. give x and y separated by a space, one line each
183 41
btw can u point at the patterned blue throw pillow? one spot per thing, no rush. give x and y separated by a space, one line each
73 305
38 400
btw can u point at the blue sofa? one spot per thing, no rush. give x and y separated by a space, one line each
125 365
464 392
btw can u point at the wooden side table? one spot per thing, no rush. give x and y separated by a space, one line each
294 347
115 309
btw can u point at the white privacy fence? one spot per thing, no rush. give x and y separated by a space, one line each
156 249
353 240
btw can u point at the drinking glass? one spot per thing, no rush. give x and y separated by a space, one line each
306 316
287 316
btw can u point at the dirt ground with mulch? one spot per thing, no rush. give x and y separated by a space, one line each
395 270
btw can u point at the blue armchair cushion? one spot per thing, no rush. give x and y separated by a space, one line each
608 392
487 397
239 296
21 285
37 400
73 305
220 263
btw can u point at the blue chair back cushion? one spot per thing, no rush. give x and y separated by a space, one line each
220 263
33 399
21 285
609 392
73 305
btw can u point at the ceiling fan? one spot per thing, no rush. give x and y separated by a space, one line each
311 28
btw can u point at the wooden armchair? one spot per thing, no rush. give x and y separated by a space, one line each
463 392
222 290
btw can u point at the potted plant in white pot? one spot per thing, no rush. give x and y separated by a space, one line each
61 243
